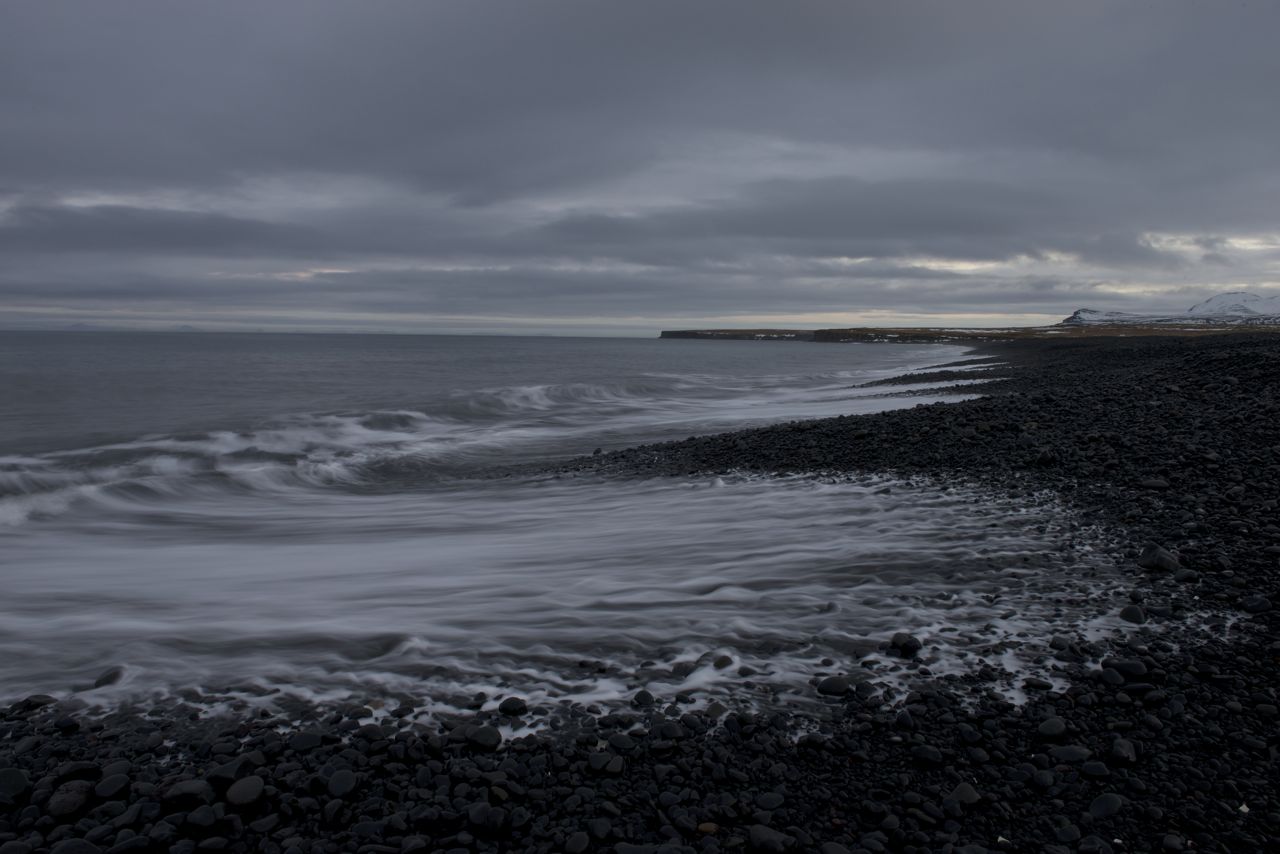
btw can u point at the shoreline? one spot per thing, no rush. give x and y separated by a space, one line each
1165 740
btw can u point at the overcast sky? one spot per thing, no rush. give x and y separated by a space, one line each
606 167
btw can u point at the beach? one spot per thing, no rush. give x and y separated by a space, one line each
1157 732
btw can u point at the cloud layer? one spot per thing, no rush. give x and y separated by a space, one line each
602 167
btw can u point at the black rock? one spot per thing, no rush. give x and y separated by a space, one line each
770 801
906 645
643 700
1106 805
190 792
1053 727
966 794
1256 604
766 840
13 783
75 846
1070 753
110 676
1094 845
577 843
1133 614
69 798
1123 750
304 742
1129 668
927 754
513 707
112 787
1155 558
342 783
834 686
485 738
246 791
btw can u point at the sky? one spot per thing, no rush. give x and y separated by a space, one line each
598 167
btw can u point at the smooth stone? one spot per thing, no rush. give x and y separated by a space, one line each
1133 614
513 707
75 846
1155 558
342 783
1106 805
1052 727
834 686
485 738
303 742
189 790
246 791
112 786
110 676
766 840
770 801
69 798
13 782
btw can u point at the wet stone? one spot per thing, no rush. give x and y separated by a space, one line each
485 738
1052 727
13 783
304 742
906 645
342 783
69 798
112 787
1133 614
75 846
834 686
1158 559
513 707
1106 805
245 791
110 676
1070 753
770 801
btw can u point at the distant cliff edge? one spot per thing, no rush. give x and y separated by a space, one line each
741 334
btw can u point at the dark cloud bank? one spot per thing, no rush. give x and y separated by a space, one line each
610 167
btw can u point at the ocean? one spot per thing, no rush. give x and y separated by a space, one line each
245 518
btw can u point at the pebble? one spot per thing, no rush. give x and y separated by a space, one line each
246 791
834 686
513 707
1106 805
342 783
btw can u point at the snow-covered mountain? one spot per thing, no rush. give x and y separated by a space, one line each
1237 303
1237 309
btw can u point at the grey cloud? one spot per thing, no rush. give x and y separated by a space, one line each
120 228
509 147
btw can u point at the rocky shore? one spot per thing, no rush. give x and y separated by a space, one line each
1165 739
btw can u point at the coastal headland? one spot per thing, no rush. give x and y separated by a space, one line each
1161 735
959 335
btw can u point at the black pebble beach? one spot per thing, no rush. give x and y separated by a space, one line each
1165 739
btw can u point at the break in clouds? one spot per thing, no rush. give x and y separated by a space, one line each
619 167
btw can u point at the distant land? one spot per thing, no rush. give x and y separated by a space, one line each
1230 312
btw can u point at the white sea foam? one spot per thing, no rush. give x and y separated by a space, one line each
578 591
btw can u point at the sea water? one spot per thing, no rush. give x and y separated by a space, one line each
335 517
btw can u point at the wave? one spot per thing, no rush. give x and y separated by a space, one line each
390 448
